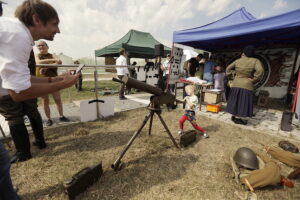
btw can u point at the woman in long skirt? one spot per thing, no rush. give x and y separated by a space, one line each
245 72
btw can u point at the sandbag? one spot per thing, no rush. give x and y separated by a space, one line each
288 158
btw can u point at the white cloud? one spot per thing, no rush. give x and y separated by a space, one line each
87 25
213 7
262 15
279 4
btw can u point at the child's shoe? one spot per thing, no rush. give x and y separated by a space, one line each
180 132
205 135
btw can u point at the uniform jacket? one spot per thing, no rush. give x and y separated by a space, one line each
245 72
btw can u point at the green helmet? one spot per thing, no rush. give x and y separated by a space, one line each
246 158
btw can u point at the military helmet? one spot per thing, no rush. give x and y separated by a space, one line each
246 158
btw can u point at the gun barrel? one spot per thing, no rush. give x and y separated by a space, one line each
117 80
133 83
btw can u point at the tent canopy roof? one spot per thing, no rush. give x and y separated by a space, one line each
240 28
136 43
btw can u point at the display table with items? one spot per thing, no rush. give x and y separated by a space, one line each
201 85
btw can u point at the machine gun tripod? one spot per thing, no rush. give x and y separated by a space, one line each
156 101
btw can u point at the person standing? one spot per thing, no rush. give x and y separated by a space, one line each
35 20
44 57
219 80
245 72
165 68
7 191
208 69
78 85
16 82
122 71
193 64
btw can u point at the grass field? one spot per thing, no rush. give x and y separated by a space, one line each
70 94
154 169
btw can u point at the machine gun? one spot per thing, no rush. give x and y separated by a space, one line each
159 98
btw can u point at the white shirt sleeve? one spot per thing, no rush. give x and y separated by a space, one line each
124 62
14 55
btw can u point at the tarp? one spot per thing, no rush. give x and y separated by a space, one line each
240 28
136 43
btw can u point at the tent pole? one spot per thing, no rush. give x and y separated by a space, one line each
292 73
298 82
95 60
96 88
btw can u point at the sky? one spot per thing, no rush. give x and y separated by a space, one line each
87 25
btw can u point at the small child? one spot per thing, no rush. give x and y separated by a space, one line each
219 80
191 103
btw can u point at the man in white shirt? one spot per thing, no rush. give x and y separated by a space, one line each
165 67
36 20
122 71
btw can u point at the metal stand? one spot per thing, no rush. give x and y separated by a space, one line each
154 108
96 91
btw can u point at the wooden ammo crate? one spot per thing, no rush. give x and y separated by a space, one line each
212 97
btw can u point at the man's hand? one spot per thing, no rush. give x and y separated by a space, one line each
68 80
59 62
43 71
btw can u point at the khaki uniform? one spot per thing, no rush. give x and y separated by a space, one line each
267 174
243 69
286 157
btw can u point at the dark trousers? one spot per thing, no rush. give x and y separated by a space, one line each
7 191
122 87
78 84
14 113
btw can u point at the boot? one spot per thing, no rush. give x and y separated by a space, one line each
38 130
295 174
20 137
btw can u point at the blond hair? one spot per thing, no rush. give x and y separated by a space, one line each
190 88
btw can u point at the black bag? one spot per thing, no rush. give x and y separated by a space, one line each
187 138
82 180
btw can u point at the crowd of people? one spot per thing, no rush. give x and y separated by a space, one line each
236 82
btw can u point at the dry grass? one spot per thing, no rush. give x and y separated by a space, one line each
154 168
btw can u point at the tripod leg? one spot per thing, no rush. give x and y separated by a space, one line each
116 164
150 126
167 129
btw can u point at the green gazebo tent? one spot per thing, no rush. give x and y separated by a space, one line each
136 43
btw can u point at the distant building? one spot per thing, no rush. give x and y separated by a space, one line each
64 58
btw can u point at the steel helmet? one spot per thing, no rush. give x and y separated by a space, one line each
246 158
